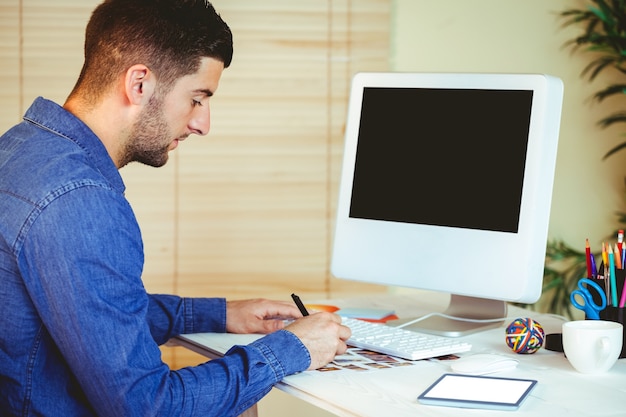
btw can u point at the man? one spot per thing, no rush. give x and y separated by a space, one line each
79 335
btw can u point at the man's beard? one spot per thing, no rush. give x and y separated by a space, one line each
148 142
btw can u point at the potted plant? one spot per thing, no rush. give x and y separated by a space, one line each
603 38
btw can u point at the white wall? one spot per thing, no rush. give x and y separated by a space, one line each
526 36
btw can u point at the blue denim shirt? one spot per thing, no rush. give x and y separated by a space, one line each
79 335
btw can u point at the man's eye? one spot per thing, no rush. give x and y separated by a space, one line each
196 103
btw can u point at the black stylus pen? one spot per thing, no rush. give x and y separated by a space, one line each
301 306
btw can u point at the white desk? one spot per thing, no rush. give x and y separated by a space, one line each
561 391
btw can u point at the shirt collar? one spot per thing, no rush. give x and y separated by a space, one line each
54 118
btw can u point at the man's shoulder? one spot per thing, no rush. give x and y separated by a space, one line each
42 162
52 151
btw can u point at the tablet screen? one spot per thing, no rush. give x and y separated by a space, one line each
471 391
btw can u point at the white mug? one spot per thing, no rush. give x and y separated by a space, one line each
592 346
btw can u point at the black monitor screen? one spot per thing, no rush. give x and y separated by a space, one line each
445 157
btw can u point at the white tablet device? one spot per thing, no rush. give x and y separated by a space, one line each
471 391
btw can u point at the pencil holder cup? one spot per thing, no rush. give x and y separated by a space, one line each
615 314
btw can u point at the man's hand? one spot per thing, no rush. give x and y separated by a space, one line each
258 315
323 335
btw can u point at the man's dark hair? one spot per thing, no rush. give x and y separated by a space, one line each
168 36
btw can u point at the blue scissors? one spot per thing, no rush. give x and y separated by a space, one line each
589 306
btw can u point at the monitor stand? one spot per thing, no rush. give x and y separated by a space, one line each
460 306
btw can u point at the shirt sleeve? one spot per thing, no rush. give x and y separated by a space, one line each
240 379
82 260
170 315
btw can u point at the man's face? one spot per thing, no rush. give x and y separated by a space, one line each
165 121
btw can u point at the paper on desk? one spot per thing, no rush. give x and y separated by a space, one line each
221 342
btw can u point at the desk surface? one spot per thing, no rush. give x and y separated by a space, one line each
560 390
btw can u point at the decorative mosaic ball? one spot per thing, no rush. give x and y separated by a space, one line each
524 335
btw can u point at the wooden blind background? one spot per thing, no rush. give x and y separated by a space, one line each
247 211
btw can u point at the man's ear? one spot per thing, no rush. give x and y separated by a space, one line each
139 84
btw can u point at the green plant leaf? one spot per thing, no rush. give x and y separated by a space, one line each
603 34
611 90
615 150
618 117
600 14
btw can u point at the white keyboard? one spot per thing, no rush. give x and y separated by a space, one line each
399 342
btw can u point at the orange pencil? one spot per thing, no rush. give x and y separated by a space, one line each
618 258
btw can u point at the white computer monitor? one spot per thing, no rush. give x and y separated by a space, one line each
446 186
